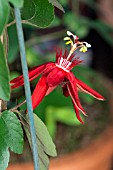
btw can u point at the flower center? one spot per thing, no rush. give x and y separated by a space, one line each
64 64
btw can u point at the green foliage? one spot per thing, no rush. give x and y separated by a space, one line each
11 136
44 142
32 57
4 13
77 26
38 13
29 10
65 115
17 3
4 76
13 43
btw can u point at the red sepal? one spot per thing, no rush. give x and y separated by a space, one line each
39 92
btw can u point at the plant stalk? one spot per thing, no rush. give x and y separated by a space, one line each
27 87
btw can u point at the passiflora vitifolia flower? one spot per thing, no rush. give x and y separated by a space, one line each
59 73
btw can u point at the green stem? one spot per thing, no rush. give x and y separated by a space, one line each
27 87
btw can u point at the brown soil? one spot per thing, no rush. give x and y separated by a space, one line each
97 156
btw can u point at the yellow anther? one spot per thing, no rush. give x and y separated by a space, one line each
83 49
69 42
66 38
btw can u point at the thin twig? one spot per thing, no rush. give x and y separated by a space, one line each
23 22
11 23
17 106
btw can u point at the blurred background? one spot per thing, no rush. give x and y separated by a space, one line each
92 21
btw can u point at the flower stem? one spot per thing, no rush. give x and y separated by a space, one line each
27 87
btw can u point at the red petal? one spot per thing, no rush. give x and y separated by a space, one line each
50 89
72 89
33 73
18 84
55 77
82 86
77 113
16 79
39 92
65 91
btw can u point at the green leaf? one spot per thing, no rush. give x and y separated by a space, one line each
38 13
4 158
11 136
57 4
29 10
43 159
4 153
51 122
14 132
17 3
13 43
44 141
4 14
4 76
44 137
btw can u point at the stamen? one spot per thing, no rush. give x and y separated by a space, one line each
75 44
73 48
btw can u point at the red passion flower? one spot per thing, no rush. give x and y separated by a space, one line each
59 73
